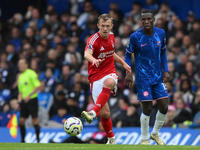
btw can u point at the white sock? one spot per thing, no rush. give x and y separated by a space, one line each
160 118
112 137
144 120
94 113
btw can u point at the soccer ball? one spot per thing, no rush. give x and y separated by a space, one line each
73 126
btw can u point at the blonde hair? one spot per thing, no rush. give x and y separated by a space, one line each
105 17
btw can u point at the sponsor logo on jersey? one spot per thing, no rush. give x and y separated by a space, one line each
142 45
106 54
158 43
146 94
102 48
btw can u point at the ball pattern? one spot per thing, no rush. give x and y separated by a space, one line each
73 126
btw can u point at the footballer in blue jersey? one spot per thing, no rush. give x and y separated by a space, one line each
151 72
149 51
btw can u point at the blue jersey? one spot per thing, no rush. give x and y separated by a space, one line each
150 56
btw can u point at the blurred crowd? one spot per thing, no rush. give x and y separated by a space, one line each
54 45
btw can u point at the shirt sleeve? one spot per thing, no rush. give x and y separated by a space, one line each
163 42
129 51
19 86
130 45
128 58
35 80
163 55
90 44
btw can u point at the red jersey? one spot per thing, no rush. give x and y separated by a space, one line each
102 49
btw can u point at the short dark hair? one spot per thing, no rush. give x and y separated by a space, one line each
26 60
65 13
10 44
165 3
49 68
105 17
41 44
50 61
147 11
4 61
60 44
188 83
137 3
46 26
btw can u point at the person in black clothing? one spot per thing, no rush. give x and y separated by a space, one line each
128 118
182 113
59 100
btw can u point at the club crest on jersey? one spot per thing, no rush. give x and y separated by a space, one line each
90 46
158 43
146 94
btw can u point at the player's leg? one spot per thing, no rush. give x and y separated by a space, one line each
161 95
22 128
37 128
104 96
96 88
101 93
161 114
33 108
160 119
144 121
144 94
23 115
107 123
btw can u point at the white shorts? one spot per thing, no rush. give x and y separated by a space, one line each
97 86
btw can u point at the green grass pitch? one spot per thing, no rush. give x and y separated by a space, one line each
59 146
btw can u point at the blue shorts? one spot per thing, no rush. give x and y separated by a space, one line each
151 92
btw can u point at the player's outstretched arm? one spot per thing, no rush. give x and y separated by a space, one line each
123 63
88 56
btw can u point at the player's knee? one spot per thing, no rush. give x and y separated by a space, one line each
164 109
147 110
105 113
35 121
109 83
163 106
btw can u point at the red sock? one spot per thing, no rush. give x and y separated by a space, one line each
101 100
107 125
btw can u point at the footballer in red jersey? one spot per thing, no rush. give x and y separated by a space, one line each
102 49
103 78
